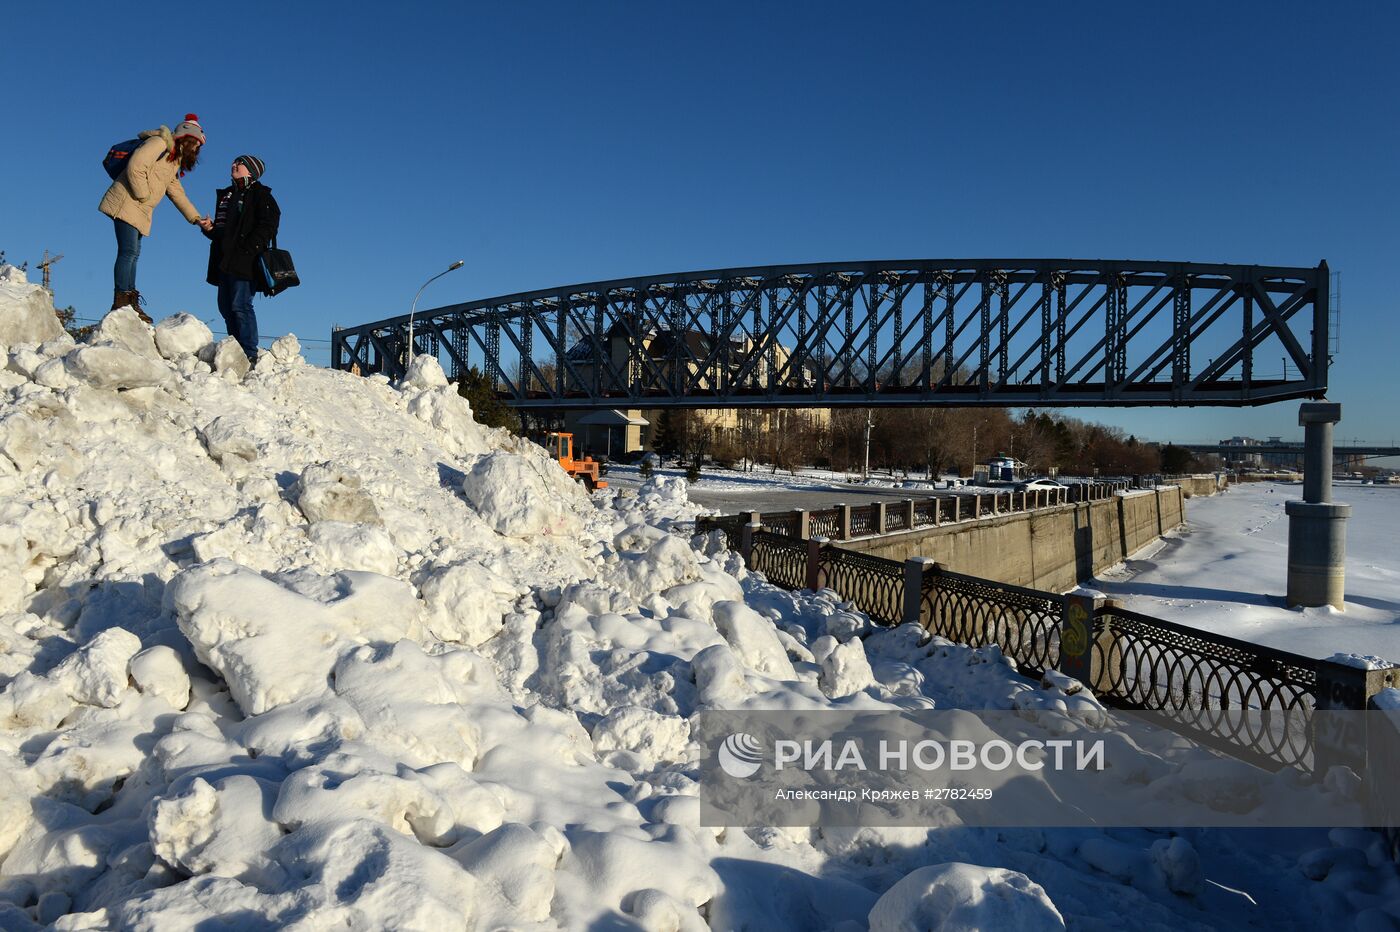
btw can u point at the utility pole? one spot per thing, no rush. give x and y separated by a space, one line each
869 423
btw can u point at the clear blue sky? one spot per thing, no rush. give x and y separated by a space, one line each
551 143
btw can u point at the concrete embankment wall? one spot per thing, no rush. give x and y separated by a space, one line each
1205 484
1050 548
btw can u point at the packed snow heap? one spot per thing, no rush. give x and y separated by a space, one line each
286 647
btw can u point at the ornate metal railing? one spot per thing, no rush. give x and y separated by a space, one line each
729 524
788 523
863 521
1202 682
896 517
1024 623
874 584
1251 701
782 559
826 523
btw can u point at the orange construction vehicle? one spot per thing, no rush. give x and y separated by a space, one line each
586 469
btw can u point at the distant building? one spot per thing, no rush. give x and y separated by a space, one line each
661 351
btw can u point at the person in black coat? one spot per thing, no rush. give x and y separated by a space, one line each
246 217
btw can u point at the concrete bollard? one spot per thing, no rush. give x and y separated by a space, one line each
814 561
879 522
909 514
746 534
844 522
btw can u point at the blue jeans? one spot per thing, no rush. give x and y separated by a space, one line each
236 306
128 251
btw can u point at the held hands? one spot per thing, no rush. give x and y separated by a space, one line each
205 224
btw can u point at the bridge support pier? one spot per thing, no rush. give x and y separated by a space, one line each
1317 525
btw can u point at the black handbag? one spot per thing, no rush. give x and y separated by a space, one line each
278 271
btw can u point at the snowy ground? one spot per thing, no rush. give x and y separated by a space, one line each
293 649
1227 571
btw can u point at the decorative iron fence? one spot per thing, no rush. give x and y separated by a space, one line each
729 524
826 523
874 584
1253 702
784 522
1024 623
782 559
1202 681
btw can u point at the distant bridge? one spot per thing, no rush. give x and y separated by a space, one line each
1339 450
928 332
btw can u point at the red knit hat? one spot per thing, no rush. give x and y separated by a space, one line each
190 127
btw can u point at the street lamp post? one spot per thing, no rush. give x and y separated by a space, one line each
451 268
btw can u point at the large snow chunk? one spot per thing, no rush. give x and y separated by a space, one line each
230 361
424 372
964 896
19 440
609 866
846 670
467 603
521 496
124 328
328 493
719 677
227 438
115 367
222 828
392 881
754 640
518 863
273 645
286 350
157 671
450 413
341 546
654 737
183 334
96 673
26 311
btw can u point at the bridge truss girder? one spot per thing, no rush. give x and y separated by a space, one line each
1005 332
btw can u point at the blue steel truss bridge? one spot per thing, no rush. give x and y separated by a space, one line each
925 332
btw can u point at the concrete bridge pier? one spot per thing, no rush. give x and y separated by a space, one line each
1317 545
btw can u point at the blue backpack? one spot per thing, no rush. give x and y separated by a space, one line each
117 157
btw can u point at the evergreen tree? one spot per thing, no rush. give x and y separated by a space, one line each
487 408
68 317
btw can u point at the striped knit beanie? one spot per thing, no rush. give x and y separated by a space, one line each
254 165
190 127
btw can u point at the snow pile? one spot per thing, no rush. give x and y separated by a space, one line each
28 315
964 896
304 649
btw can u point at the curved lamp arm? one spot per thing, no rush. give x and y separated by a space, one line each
413 310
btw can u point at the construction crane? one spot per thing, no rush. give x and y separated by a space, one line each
46 264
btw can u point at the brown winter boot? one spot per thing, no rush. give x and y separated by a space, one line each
130 299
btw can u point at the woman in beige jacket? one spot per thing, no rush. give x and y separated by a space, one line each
152 172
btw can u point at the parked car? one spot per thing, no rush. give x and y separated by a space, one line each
1032 485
